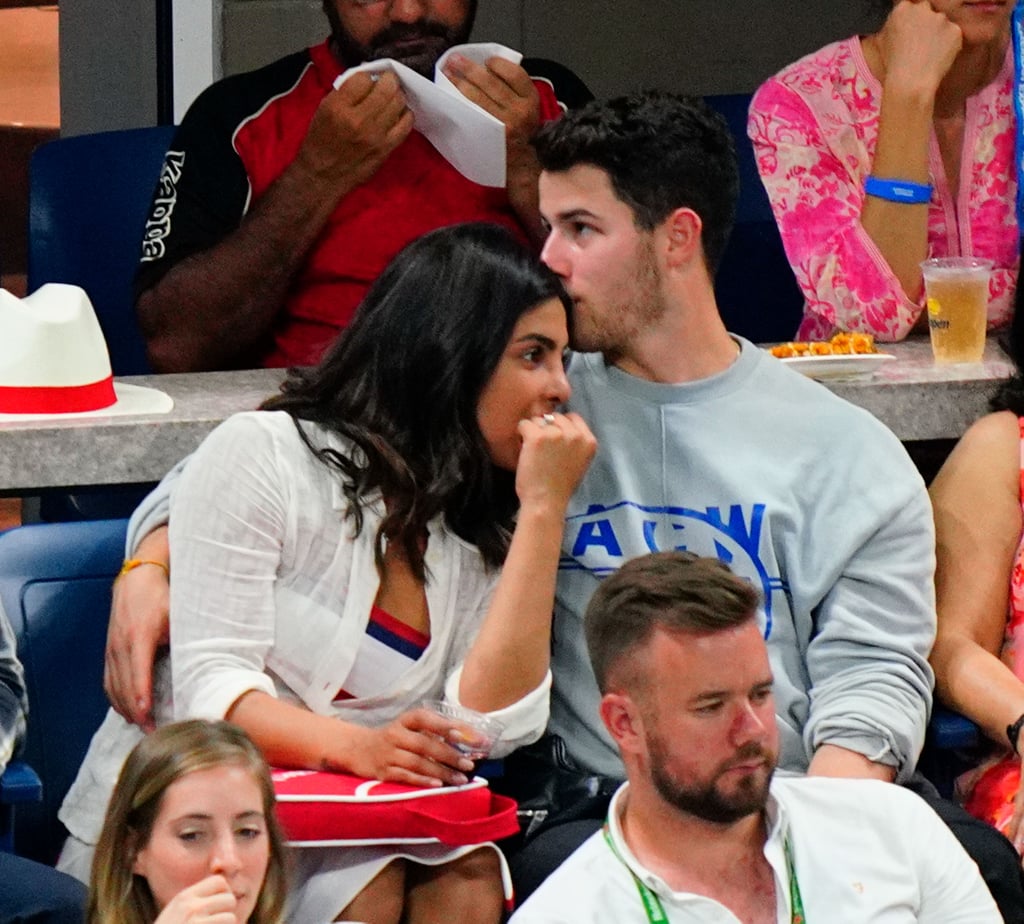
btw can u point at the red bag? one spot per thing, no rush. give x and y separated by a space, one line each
318 809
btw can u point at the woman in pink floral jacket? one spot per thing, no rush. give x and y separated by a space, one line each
924 104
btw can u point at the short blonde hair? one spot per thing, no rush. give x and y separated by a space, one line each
160 759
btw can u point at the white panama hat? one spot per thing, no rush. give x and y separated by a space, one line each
54 360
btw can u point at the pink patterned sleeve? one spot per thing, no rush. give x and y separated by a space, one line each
816 193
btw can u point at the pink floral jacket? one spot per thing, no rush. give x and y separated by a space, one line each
814 127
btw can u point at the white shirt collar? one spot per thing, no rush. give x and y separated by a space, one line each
777 824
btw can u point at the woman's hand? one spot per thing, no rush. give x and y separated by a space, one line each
413 749
557 448
209 901
917 46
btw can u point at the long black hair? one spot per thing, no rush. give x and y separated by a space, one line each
402 384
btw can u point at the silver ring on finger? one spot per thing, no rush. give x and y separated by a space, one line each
547 420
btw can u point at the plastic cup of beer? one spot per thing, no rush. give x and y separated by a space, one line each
956 289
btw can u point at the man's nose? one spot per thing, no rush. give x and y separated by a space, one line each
553 255
748 725
408 10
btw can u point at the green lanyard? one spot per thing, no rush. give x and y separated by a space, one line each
656 912
651 902
796 903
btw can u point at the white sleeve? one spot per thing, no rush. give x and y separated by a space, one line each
524 720
952 890
226 533
154 510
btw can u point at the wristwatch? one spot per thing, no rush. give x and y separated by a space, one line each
1013 733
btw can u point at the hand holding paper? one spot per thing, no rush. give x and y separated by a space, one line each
501 88
467 135
507 92
353 131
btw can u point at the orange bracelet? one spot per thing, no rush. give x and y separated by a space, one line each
132 563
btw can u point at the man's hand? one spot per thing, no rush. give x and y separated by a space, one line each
832 760
506 91
354 130
139 625
218 307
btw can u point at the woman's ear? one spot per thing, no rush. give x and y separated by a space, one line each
138 855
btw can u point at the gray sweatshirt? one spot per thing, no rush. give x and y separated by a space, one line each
807 496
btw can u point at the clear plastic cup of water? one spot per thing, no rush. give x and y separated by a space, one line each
481 732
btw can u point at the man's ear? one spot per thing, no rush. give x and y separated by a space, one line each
621 716
683 242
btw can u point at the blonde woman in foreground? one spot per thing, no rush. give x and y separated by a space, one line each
190 833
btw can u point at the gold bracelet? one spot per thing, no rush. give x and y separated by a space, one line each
132 563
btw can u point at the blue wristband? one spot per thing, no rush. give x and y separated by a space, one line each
898 190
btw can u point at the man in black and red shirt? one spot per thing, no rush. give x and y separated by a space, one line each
282 199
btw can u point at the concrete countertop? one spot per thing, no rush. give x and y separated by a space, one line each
915 398
919 400
101 450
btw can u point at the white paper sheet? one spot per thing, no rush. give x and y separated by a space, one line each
468 137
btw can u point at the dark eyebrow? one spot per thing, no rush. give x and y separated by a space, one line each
537 338
575 215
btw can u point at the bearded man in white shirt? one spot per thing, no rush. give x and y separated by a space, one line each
701 831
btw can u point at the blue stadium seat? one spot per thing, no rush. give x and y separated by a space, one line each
952 745
18 785
757 293
89 196
55 587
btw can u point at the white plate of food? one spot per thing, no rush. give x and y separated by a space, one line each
836 367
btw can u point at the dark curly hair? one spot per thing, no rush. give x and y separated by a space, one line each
662 151
402 382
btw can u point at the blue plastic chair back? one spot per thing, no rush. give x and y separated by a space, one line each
757 293
89 197
952 745
19 784
55 586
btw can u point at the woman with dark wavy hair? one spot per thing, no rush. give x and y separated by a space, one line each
978 497
385 531
190 829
